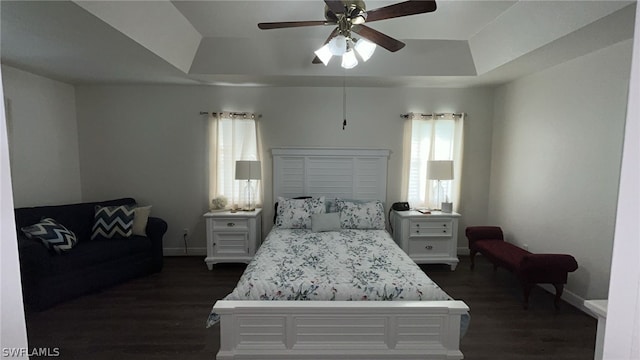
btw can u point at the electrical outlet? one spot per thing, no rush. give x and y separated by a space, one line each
526 247
185 232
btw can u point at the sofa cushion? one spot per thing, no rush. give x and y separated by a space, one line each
96 252
52 234
113 222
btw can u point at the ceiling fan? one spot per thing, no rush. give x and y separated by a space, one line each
350 16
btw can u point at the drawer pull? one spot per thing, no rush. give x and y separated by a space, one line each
444 231
231 224
445 225
429 247
417 225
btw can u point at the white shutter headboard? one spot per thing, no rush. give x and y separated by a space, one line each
347 173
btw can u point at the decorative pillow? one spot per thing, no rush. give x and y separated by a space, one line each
368 215
296 213
332 205
52 234
140 219
325 222
113 222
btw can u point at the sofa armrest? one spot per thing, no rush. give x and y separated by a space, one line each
156 228
476 233
35 258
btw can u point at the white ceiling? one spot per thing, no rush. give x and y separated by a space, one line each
462 43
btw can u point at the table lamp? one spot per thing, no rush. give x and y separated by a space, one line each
248 170
439 170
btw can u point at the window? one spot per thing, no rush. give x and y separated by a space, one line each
432 137
232 137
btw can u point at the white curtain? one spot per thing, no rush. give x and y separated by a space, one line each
431 137
232 137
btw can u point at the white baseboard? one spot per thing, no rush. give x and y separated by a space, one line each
182 252
569 297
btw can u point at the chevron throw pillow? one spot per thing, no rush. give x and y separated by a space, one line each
52 234
113 222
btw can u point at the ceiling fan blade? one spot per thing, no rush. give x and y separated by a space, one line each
290 24
316 60
377 37
411 7
337 6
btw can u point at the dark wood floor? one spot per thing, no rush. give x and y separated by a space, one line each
162 316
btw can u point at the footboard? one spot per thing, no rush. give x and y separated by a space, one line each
340 329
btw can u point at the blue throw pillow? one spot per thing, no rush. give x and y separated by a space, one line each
112 222
52 234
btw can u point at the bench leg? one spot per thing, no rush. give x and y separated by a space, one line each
526 287
472 255
556 301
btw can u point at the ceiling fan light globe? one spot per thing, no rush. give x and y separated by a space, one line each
349 60
324 54
338 45
365 48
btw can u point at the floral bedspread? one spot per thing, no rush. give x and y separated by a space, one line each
298 264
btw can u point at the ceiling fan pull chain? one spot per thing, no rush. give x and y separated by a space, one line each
344 99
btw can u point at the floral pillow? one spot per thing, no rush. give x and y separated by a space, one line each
296 213
367 215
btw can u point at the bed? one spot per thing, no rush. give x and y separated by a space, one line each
264 317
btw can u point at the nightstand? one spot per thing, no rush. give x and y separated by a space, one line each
232 237
427 238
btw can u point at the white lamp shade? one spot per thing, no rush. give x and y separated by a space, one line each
349 60
440 169
248 170
365 48
324 54
338 45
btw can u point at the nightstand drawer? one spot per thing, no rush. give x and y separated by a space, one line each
430 228
432 247
230 224
427 239
231 243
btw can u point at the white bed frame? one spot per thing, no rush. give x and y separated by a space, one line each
337 329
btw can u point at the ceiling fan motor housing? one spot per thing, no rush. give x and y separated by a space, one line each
355 12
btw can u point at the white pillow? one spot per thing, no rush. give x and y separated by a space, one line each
296 213
140 219
368 215
325 222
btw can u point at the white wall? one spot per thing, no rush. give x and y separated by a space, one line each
43 139
556 155
150 143
13 331
622 336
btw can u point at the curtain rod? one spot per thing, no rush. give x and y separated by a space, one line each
232 113
405 116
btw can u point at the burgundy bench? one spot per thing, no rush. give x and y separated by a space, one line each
530 268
